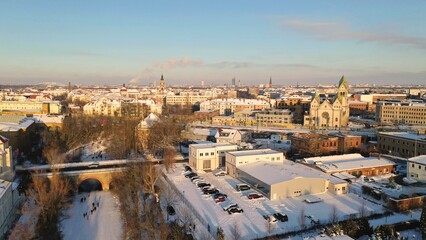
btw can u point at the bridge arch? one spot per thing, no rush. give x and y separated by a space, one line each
89 184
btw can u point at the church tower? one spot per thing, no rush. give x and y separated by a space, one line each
270 82
162 84
342 96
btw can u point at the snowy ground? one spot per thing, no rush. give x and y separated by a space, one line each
251 223
105 223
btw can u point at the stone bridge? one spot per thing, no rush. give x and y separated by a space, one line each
104 176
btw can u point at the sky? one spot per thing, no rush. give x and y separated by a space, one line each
134 42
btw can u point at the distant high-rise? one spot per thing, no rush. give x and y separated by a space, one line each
162 84
233 82
270 82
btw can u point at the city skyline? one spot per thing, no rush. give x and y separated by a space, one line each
105 42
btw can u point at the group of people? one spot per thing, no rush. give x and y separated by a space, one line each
94 206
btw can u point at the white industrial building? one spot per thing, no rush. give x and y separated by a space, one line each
209 156
284 178
235 159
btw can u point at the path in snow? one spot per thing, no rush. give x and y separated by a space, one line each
105 223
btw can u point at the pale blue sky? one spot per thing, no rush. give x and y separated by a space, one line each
310 42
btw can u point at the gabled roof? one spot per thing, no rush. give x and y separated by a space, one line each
3 139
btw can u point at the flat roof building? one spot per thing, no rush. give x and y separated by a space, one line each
416 168
354 164
282 179
235 159
209 156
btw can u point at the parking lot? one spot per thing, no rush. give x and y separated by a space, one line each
252 223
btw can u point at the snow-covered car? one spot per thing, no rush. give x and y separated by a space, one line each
254 196
270 218
242 187
228 206
220 173
281 217
220 199
235 210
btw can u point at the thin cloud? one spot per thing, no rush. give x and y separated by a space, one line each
238 65
337 31
165 65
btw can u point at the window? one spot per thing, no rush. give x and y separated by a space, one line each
206 164
201 154
212 153
343 188
412 165
207 154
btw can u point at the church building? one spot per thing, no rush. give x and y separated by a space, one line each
329 112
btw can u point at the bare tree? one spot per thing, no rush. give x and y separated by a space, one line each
302 220
168 195
333 214
187 219
235 232
164 134
151 173
25 229
51 196
169 158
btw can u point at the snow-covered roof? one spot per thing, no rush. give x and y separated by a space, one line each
13 127
347 162
419 159
276 172
210 145
405 135
149 120
253 152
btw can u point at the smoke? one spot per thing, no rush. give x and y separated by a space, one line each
158 67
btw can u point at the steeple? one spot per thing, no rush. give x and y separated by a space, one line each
343 82
270 81
162 84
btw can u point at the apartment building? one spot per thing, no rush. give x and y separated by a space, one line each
377 97
30 107
228 106
274 118
408 112
209 156
186 99
402 144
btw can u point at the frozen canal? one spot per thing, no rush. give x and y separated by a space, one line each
104 223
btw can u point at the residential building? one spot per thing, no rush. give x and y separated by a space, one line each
402 144
234 159
30 107
283 179
274 118
377 97
354 164
228 106
209 156
416 168
6 160
10 200
228 136
328 112
409 112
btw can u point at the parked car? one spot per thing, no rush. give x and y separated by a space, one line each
281 217
235 210
210 191
220 173
195 177
203 184
218 195
228 206
242 187
254 196
198 180
368 179
170 210
190 175
188 168
270 218
220 199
